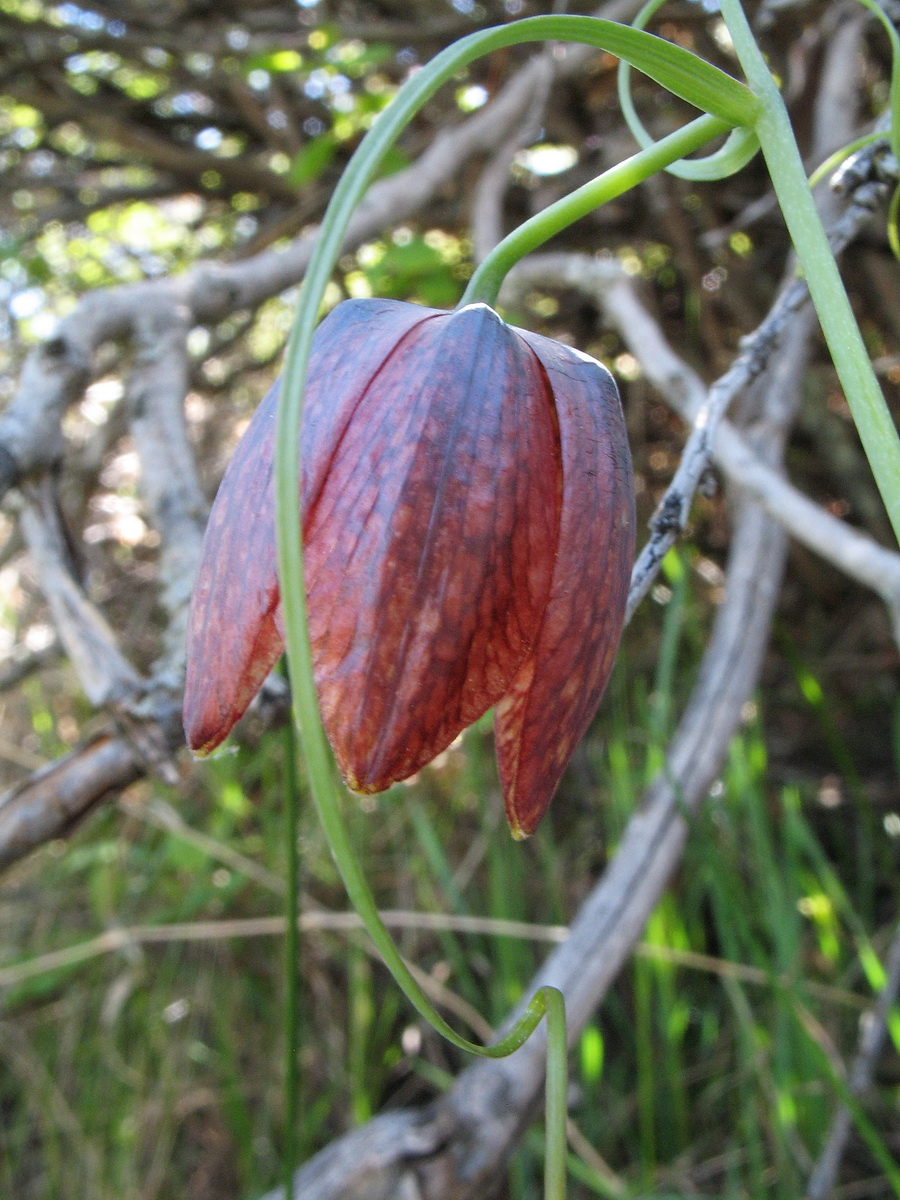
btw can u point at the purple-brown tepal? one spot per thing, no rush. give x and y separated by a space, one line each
468 531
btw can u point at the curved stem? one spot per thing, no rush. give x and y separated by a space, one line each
693 80
557 1086
833 161
873 419
678 69
292 958
485 283
737 151
894 100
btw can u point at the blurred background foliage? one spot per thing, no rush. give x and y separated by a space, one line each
139 138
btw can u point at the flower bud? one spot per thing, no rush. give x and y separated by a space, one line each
468 529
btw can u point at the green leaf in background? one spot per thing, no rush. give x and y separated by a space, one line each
276 61
313 159
414 268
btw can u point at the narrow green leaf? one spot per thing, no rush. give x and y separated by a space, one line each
683 73
309 163
741 146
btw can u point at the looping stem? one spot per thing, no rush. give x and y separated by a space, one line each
546 1001
737 151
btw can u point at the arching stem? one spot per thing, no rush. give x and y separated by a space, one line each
688 77
486 281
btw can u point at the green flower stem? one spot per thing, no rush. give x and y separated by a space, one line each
688 77
292 958
485 283
870 412
555 1105
894 108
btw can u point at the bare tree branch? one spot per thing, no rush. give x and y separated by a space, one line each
454 1149
872 1035
51 801
850 550
105 674
57 372
487 202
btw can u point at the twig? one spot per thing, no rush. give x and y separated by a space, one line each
57 372
873 1029
321 921
51 801
21 663
612 290
487 202
154 316
478 1121
169 483
105 674
848 549
156 811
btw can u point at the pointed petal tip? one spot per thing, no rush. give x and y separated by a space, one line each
201 738
524 819
518 833
359 787
550 704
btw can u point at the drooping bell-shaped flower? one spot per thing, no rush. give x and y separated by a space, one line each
468 526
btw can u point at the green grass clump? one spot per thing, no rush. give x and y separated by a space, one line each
152 1067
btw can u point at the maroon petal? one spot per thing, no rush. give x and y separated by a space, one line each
429 549
555 694
233 640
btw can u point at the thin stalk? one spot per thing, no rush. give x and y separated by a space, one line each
557 1086
690 78
864 1127
773 128
894 95
487 279
833 161
291 960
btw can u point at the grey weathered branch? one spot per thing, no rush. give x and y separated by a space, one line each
52 800
57 372
850 550
487 202
171 490
865 181
456 1148
872 1036
105 674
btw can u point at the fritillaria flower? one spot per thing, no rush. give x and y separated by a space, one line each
468 531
